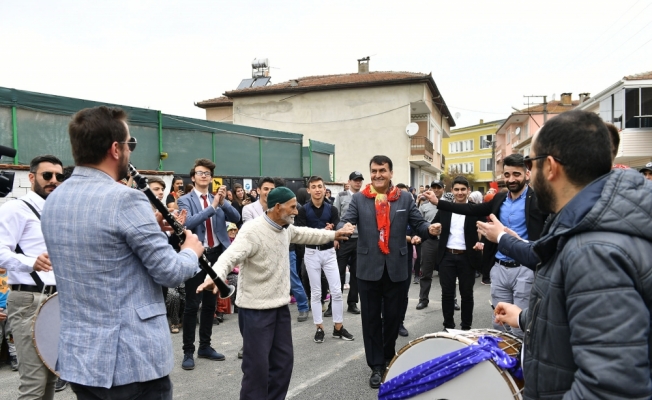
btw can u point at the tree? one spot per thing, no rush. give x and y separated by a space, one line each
449 177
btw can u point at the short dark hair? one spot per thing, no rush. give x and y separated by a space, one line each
279 182
156 179
203 162
266 179
36 161
461 181
314 179
580 140
514 160
380 160
67 171
615 138
93 131
401 186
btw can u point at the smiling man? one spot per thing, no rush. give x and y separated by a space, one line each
259 207
517 209
382 213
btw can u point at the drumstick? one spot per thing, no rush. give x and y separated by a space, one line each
494 308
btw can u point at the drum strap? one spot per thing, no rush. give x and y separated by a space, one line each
37 279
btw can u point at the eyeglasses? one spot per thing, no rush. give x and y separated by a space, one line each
48 175
528 161
132 142
202 173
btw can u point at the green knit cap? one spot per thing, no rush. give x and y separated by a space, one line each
279 196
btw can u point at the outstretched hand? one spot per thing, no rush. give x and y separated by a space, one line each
435 229
506 313
207 285
491 230
344 233
431 196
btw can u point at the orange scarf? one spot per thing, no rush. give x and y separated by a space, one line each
382 212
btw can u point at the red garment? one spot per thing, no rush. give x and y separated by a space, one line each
382 212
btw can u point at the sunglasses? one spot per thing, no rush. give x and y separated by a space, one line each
528 161
132 142
48 175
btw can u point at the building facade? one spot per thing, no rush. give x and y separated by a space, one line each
628 105
470 150
363 114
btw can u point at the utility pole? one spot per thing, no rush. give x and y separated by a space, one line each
545 106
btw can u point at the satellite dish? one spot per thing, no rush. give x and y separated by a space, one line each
518 131
411 129
457 115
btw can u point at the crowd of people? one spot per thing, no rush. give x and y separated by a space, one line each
564 247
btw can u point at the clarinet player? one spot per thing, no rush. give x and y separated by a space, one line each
110 260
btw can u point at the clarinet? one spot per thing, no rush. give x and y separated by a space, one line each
225 290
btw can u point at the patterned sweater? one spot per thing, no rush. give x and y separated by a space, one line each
261 251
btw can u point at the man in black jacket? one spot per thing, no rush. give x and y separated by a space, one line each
510 281
588 321
458 257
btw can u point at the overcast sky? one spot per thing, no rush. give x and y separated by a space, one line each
166 55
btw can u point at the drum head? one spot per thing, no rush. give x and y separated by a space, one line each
484 381
45 332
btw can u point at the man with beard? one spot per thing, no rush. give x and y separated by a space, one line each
517 210
261 251
588 321
110 259
24 255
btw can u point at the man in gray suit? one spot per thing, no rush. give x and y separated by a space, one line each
110 260
207 217
382 214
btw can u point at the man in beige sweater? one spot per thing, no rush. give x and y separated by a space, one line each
261 251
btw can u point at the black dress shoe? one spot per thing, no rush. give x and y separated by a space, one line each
329 311
402 331
422 305
457 307
353 309
376 378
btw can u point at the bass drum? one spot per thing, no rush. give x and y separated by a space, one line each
484 381
45 332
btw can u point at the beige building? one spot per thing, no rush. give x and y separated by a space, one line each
363 114
628 105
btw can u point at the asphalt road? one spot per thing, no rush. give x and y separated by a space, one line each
333 370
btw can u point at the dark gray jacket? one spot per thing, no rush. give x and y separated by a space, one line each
587 328
371 261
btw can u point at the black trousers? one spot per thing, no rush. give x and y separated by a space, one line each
208 306
157 389
456 266
408 281
347 254
379 333
268 356
428 260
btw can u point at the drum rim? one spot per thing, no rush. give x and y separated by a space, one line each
38 352
509 379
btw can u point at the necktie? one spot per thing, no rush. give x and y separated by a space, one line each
209 227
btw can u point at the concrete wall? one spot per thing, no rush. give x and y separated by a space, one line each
220 114
345 118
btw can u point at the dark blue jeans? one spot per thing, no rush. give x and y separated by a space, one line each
268 356
296 287
157 389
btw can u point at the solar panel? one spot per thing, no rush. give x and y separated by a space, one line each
261 81
246 83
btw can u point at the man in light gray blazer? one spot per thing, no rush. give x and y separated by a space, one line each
381 260
207 217
110 260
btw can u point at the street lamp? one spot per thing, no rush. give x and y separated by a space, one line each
492 143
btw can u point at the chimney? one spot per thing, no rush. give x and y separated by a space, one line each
481 121
363 65
584 97
566 99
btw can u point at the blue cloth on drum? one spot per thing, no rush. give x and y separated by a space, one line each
436 372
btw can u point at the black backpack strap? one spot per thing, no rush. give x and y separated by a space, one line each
37 279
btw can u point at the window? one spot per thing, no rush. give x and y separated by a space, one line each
486 164
470 145
486 141
469 168
638 108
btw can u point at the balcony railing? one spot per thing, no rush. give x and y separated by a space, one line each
420 145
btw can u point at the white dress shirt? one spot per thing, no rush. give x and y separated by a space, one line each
456 239
19 225
201 202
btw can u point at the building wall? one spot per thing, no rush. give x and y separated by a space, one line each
474 156
360 123
220 114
